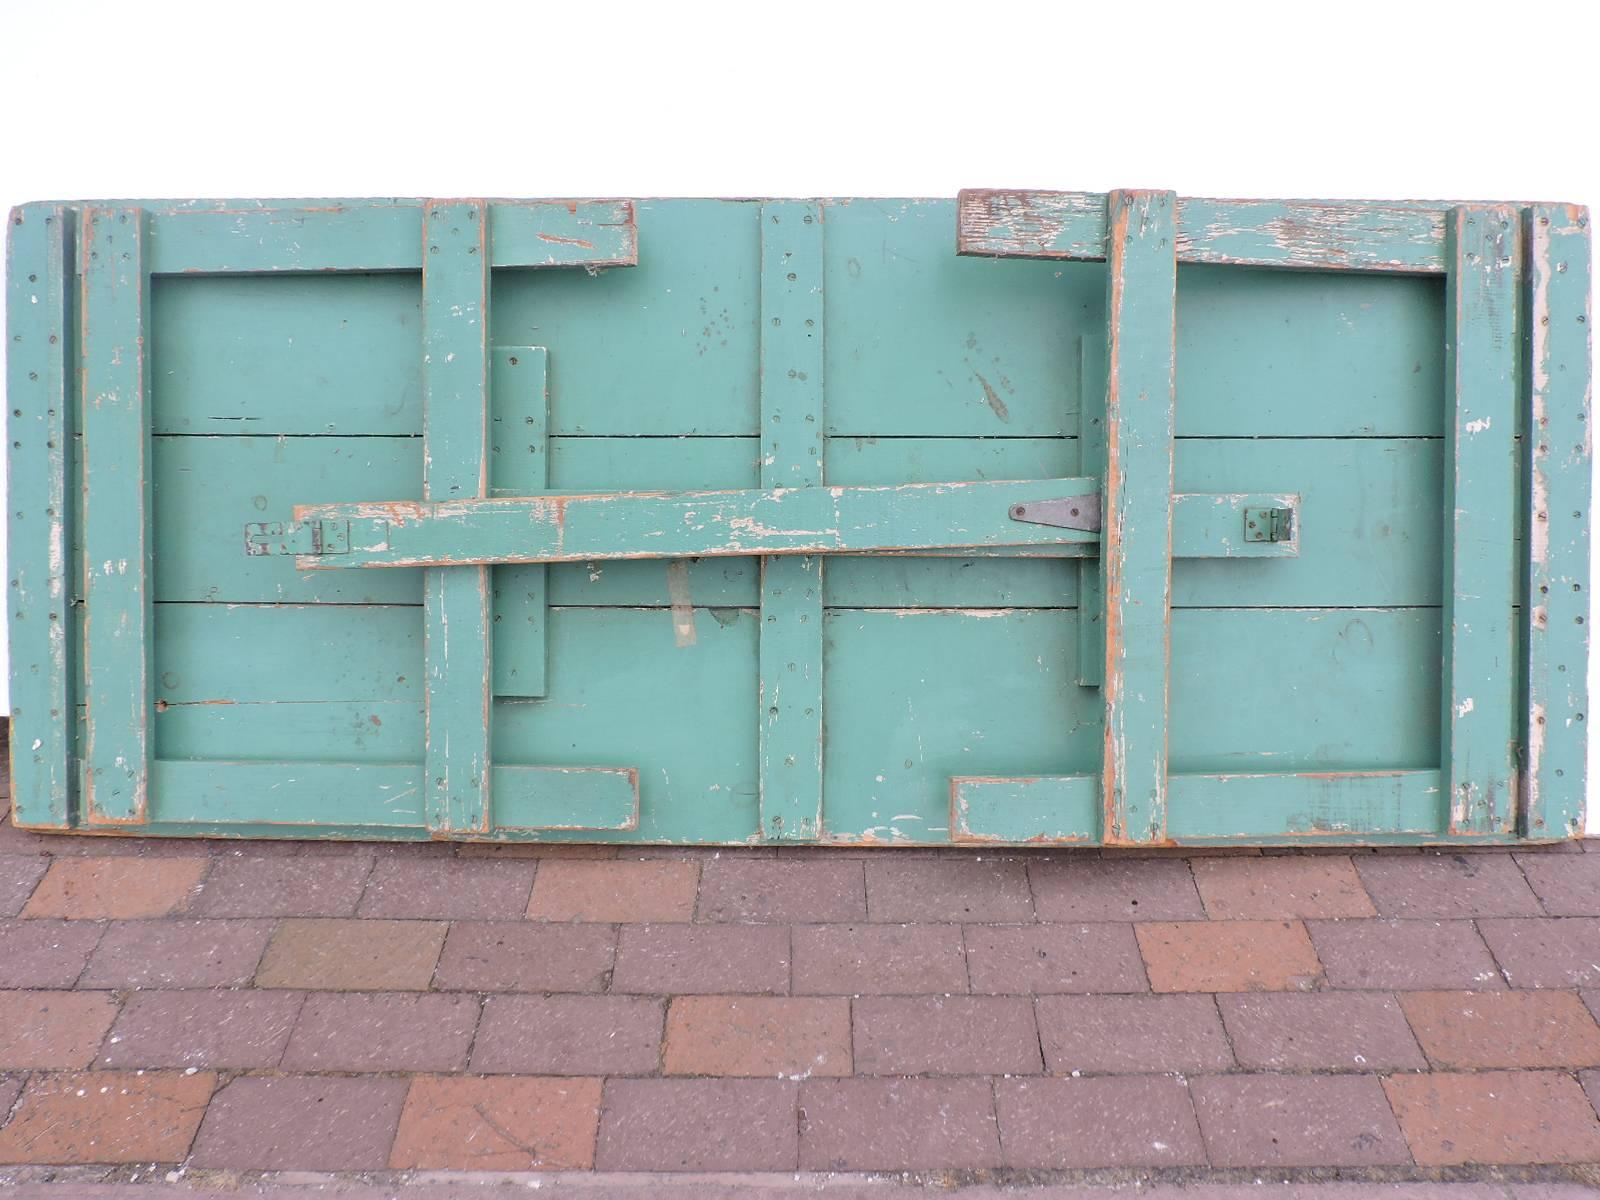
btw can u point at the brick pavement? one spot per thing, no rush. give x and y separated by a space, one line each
222 1007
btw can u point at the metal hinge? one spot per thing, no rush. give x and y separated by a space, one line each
1269 524
297 537
1069 512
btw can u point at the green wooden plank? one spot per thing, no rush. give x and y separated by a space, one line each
291 731
1557 583
1092 456
1349 805
457 657
230 653
1298 354
1136 554
973 516
385 795
927 344
1481 575
1347 235
668 347
1312 689
302 354
39 391
1335 805
1052 809
622 525
382 236
537 799
790 653
519 453
116 514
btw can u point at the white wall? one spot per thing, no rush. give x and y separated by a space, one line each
104 99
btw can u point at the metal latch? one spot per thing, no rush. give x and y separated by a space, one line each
297 537
1268 524
1069 512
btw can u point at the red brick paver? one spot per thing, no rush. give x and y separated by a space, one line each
764 1036
1281 886
1496 1117
980 888
614 891
1228 956
373 1010
569 1035
1504 1029
1040 959
1139 1121
226 1030
1447 884
393 1031
1344 1031
497 1124
505 956
1568 885
46 953
698 1125
1131 1034
878 959
447 888
177 954
1562 952
1297 1121
19 875
250 885
1127 889
946 1035
1404 954
798 890
52 1029
305 1123
106 1117
357 955
90 888
897 1125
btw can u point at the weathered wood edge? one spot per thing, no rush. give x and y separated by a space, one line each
41 274
1136 547
790 651
1406 236
1481 575
1558 454
116 514
457 658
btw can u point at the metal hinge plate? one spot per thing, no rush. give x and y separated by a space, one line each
1269 524
1069 512
297 537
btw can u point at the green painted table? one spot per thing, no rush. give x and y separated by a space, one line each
1026 518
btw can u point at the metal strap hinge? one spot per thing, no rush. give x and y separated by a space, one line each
297 537
1069 512
1269 524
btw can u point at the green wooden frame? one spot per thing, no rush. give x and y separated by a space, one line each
1516 636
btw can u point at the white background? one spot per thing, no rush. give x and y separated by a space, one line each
288 98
